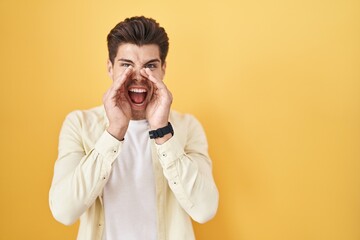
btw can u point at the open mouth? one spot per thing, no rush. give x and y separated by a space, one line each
137 95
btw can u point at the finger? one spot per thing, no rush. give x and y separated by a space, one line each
105 96
143 73
157 82
112 95
122 78
120 94
122 97
119 83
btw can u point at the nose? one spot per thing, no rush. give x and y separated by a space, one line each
136 75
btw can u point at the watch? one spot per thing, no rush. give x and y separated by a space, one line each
159 133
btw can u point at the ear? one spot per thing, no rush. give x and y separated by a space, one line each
109 68
163 67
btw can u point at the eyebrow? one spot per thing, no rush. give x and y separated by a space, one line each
129 61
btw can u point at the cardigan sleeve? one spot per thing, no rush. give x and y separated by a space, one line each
79 177
188 170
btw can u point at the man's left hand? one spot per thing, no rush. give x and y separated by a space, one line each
158 109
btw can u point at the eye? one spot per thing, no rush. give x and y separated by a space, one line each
125 65
150 66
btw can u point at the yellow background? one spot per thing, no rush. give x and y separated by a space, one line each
276 85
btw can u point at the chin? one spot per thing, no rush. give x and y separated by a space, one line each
138 114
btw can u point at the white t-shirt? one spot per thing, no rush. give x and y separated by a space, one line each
129 195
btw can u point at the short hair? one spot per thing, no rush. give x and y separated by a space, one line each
139 31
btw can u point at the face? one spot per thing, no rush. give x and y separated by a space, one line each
138 89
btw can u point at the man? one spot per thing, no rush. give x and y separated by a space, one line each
133 168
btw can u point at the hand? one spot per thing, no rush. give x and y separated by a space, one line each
117 107
158 109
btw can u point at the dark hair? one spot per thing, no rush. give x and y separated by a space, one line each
139 31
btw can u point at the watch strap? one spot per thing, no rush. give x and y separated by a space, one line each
159 133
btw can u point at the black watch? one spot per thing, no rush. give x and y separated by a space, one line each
159 133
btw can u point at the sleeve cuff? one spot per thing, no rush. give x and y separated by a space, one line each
108 146
169 152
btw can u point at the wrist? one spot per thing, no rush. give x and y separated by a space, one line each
158 125
162 140
162 134
117 132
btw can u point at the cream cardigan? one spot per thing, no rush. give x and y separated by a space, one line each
185 187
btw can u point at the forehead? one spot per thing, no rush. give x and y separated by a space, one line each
138 53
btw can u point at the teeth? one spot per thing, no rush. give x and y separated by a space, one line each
137 90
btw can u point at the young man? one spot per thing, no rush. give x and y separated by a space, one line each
133 168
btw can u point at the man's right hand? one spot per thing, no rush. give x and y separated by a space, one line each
117 107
